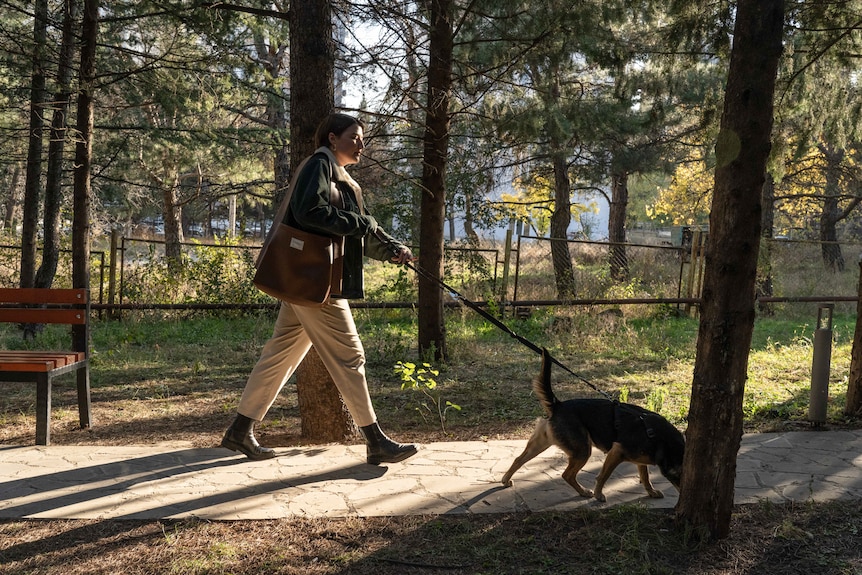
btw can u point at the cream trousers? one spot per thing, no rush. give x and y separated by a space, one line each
332 332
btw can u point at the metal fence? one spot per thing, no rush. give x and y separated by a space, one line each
10 269
219 275
643 270
797 271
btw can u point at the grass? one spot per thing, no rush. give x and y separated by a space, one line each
159 377
765 539
164 377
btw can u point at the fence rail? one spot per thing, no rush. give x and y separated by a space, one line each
218 276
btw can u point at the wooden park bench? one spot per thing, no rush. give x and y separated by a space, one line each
49 306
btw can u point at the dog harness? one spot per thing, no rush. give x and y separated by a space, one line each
620 407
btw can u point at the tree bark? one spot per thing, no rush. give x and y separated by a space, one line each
619 263
830 214
324 416
84 148
312 84
764 276
564 275
13 198
57 144
33 178
853 404
172 215
312 73
432 327
727 313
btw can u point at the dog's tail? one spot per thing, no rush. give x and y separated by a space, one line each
542 385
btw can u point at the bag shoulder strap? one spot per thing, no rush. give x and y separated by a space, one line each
285 204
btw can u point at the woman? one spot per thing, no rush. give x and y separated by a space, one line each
327 201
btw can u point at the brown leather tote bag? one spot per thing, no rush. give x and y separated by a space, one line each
297 267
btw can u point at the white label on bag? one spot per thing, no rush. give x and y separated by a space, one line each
297 244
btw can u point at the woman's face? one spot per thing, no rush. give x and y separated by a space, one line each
347 147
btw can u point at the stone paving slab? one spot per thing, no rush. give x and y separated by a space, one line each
174 481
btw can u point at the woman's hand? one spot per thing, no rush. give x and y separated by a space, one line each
403 256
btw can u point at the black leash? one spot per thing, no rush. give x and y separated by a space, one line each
489 317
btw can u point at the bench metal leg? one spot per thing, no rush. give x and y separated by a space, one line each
43 409
84 414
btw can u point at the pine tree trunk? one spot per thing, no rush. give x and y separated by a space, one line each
324 416
33 179
619 262
172 214
432 329
13 198
727 314
57 144
853 404
829 216
564 275
764 276
84 147
312 79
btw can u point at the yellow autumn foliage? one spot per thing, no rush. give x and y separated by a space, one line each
533 202
687 200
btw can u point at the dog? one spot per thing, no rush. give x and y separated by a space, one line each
624 432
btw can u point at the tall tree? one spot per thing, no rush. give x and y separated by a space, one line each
56 146
312 75
432 327
82 190
727 311
831 213
16 66
820 114
33 181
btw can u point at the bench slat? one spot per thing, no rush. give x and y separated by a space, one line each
43 363
44 295
60 358
28 365
42 315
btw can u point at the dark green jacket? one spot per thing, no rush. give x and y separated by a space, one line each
311 210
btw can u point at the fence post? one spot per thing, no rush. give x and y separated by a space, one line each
507 260
112 272
694 264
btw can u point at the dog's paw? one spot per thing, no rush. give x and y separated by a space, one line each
507 483
600 497
655 494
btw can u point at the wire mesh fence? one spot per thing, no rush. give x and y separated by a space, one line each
601 270
10 268
789 272
221 274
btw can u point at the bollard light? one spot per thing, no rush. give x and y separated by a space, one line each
820 365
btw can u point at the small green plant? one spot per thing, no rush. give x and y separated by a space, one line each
656 398
624 394
422 378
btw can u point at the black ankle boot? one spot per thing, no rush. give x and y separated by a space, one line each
381 449
240 437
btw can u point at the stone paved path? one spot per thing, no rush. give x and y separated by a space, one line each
172 480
